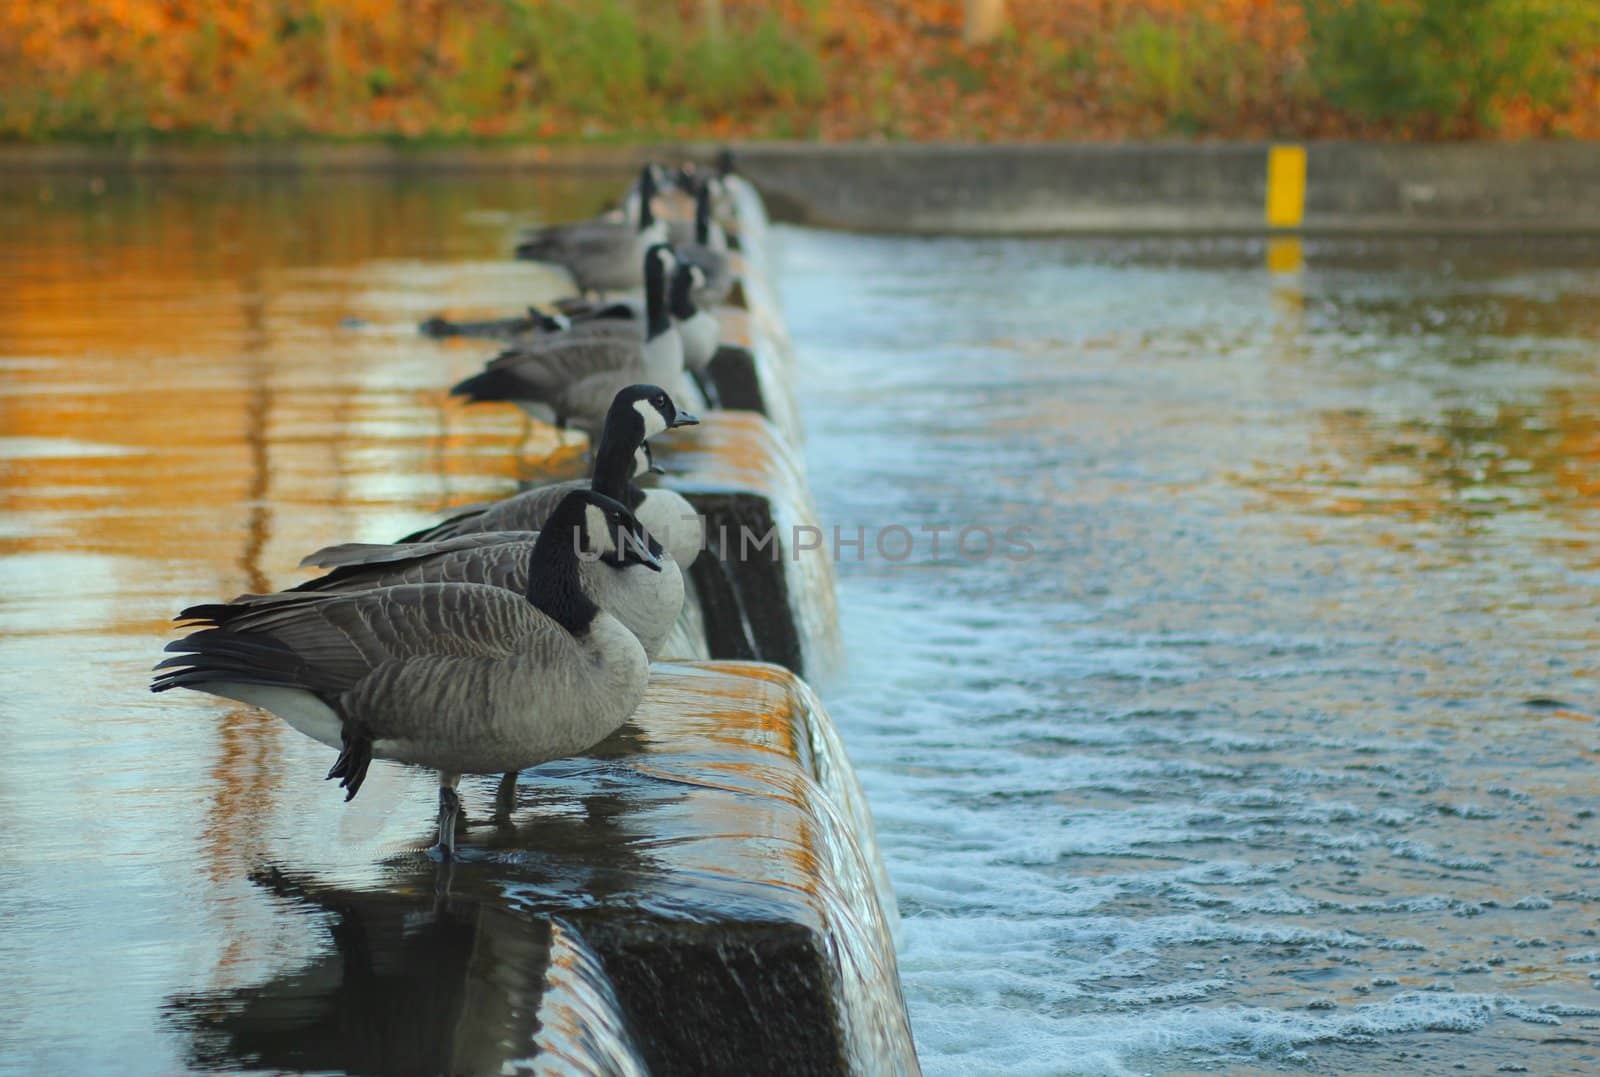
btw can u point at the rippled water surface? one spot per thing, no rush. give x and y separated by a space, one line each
1279 750
1276 752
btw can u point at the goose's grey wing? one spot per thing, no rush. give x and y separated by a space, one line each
526 511
491 558
584 402
392 553
420 664
583 240
541 371
331 644
564 355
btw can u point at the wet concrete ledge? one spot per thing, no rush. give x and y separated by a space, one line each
764 584
700 895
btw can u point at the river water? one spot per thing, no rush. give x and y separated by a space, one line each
1264 739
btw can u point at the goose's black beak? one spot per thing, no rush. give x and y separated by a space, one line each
640 548
684 419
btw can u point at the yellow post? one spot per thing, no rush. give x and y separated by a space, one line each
1286 186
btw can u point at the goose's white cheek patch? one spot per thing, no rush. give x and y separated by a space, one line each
653 422
595 529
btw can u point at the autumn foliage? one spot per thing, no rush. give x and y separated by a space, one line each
583 69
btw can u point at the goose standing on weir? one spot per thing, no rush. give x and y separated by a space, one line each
666 514
602 255
458 677
647 601
708 252
571 379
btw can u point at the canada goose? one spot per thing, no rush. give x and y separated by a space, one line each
697 328
602 255
646 601
708 252
512 328
459 677
665 514
572 379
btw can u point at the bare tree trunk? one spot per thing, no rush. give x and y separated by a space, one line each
711 17
985 20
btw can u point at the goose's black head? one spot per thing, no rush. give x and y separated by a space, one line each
659 262
585 526
613 534
645 411
588 526
684 282
637 413
725 163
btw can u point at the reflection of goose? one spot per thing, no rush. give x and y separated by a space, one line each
572 378
644 599
666 514
411 986
603 254
459 677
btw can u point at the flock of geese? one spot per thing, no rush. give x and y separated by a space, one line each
519 631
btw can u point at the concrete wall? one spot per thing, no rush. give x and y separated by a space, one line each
1129 188
1133 188
1531 188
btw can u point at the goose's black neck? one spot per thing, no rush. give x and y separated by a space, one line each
657 318
682 297
614 461
647 196
553 584
702 215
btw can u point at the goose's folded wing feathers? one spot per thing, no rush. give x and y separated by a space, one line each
340 639
353 554
492 560
526 511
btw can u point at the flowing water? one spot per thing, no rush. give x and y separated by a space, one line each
1278 749
1264 739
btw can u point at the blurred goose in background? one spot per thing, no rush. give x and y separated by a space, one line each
646 601
708 253
603 254
462 678
571 379
698 329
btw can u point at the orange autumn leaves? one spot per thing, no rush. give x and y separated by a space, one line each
581 69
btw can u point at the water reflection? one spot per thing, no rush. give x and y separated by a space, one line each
430 975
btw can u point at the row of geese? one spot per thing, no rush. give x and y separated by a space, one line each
520 631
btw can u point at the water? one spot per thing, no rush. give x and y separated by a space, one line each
1277 753
1279 750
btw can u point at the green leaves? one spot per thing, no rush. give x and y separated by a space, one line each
1448 67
